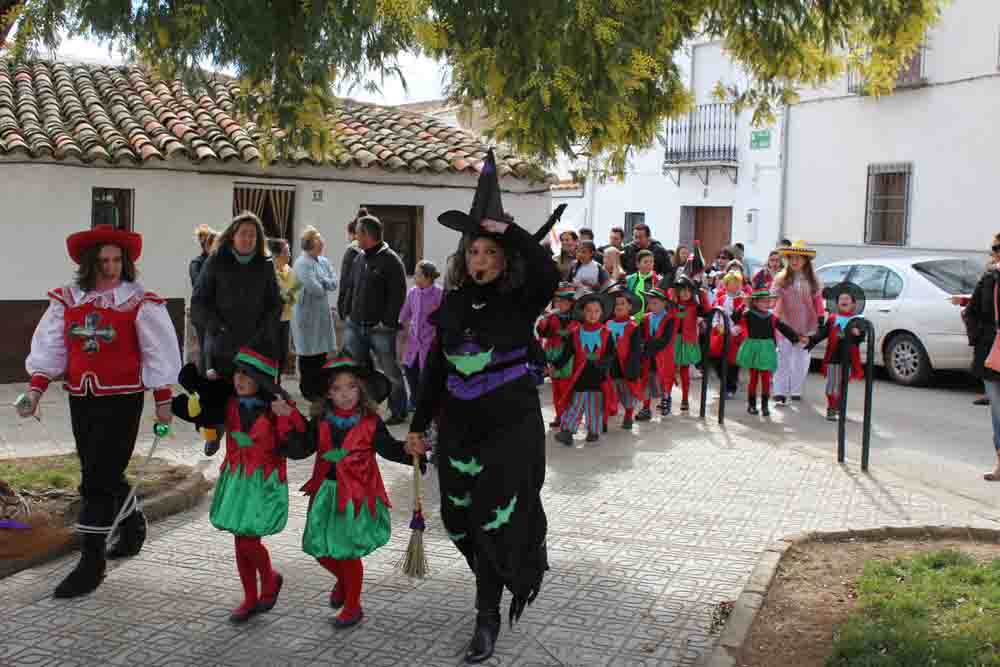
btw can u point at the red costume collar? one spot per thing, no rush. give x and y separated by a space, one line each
590 327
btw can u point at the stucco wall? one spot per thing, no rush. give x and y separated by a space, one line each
42 204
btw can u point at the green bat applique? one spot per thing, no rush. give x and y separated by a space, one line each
472 468
335 455
242 439
455 537
467 364
502 515
464 501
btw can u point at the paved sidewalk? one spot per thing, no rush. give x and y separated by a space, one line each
648 533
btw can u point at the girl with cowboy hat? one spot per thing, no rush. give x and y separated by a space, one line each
799 301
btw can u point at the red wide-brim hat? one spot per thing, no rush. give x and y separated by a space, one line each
80 242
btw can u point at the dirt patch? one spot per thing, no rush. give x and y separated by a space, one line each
813 594
47 485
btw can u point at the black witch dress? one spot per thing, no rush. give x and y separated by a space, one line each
491 442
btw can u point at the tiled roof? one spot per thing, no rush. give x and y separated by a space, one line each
123 115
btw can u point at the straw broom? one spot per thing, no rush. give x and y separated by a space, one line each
415 562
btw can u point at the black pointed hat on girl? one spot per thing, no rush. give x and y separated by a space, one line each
377 383
832 295
487 204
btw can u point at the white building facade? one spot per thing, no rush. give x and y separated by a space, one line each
712 176
913 172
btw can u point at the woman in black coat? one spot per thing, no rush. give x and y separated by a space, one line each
982 320
236 300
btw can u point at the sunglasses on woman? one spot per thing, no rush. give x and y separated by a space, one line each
995 247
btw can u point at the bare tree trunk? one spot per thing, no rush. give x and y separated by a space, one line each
5 7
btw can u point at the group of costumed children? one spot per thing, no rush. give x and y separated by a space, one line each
622 348
348 516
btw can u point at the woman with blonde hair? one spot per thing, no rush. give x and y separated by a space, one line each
312 322
205 236
799 302
236 298
613 264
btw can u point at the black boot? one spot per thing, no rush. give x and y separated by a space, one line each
131 535
751 405
484 638
765 405
88 573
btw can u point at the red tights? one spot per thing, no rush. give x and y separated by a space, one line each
349 574
252 559
685 373
765 382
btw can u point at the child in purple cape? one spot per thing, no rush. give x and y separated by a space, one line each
421 301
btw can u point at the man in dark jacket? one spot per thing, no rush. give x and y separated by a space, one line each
378 289
981 315
346 264
236 299
642 240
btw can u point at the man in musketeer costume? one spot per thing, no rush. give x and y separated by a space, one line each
110 340
491 443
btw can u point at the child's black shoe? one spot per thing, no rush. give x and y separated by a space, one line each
832 415
644 415
565 437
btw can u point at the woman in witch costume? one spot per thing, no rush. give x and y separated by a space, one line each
348 507
251 494
491 444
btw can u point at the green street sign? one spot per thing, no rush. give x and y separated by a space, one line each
760 139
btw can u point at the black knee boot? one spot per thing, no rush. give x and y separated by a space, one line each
489 590
88 573
131 535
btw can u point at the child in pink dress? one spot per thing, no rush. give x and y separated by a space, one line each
800 303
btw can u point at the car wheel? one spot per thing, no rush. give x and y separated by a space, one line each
906 360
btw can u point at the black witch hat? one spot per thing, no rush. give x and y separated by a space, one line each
485 204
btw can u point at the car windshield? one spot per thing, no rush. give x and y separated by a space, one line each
953 276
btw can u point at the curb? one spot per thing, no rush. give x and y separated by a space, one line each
183 496
750 601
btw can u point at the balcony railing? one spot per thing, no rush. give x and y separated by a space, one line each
707 134
911 75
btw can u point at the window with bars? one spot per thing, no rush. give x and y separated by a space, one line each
631 220
112 206
887 215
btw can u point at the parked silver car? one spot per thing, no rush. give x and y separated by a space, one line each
918 329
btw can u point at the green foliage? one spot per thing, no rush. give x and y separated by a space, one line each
591 77
940 608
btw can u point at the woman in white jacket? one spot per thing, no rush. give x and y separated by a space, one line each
312 322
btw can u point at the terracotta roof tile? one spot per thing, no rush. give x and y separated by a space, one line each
118 114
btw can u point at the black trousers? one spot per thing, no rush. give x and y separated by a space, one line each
284 331
105 429
732 370
309 374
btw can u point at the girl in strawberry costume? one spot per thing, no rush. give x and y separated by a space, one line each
251 494
690 307
758 352
348 507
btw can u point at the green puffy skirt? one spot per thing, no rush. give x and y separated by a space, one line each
249 506
686 354
759 354
344 535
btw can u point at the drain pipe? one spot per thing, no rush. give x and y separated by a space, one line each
782 222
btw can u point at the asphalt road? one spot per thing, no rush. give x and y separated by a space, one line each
932 434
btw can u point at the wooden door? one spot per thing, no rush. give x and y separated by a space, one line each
713 226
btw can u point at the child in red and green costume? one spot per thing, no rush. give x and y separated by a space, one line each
759 352
687 317
348 507
626 371
657 375
591 352
555 330
251 494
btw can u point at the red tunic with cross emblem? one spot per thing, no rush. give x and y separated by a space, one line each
103 345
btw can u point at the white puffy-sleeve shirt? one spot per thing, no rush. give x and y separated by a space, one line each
158 346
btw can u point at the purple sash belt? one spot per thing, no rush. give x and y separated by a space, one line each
512 365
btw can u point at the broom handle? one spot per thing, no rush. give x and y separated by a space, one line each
417 484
